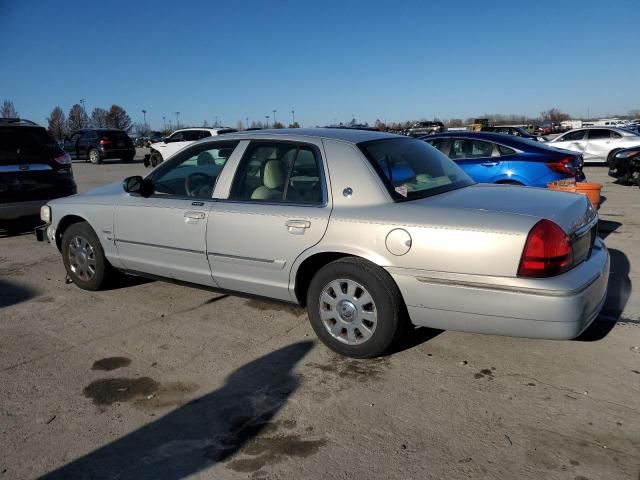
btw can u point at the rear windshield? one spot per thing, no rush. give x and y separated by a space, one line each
27 145
412 169
114 135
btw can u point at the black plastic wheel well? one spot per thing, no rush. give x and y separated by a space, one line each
308 269
65 223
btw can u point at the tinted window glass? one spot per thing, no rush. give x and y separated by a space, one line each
615 135
505 150
191 135
278 172
437 143
411 169
26 145
572 136
466 148
176 137
204 134
194 172
599 133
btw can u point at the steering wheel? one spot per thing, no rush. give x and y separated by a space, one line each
199 184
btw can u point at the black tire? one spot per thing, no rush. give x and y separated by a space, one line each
94 156
390 309
102 269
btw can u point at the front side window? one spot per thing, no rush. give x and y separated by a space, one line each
438 143
193 173
279 172
411 169
572 136
464 148
176 137
599 133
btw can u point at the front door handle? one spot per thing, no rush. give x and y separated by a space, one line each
194 215
489 164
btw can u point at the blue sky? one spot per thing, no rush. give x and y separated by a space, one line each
327 60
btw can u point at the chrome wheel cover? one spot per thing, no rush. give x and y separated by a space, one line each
348 311
82 258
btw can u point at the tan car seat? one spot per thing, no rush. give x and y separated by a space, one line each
273 178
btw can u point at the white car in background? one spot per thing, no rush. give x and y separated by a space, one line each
179 139
597 144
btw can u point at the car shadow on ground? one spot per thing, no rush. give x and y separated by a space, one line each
205 431
21 226
607 227
618 293
413 337
12 293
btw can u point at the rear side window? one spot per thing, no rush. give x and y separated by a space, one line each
599 133
505 150
191 135
279 172
438 143
26 145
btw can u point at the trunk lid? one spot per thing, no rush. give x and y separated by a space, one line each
571 211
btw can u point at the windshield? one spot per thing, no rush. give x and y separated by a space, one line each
412 169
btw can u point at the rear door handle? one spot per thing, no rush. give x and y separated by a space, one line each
298 224
194 215
489 164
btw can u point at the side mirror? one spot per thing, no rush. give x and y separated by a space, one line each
137 184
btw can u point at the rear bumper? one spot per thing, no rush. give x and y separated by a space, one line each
559 308
117 152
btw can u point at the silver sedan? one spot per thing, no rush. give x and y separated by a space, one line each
371 232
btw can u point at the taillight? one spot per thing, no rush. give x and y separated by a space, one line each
547 251
564 165
105 141
64 159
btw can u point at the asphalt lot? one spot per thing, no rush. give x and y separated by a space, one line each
157 381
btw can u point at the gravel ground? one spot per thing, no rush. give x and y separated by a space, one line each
157 381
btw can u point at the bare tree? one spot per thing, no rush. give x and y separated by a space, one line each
117 117
57 123
205 124
8 110
257 124
77 118
294 125
277 125
141 129
99 118
456 123
554 115
239 125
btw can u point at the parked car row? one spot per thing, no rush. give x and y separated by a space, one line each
179 139
400 235
97 144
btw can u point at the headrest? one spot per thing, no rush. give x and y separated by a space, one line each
273 176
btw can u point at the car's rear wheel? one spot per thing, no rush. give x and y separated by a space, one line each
94 156
84 258
155 159
355 308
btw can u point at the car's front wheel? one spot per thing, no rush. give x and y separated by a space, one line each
83 257
355 308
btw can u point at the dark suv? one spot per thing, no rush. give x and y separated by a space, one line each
425 128
97 144
33 169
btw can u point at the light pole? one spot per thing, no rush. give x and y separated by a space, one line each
267 117
216 121
293 117
164 122
84 110
177 119
144 115
247 120
274 116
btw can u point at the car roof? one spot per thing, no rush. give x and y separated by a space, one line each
503 138
342 134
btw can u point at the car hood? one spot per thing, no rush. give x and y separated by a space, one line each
569 210
102 195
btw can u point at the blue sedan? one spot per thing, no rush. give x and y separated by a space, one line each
500 158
